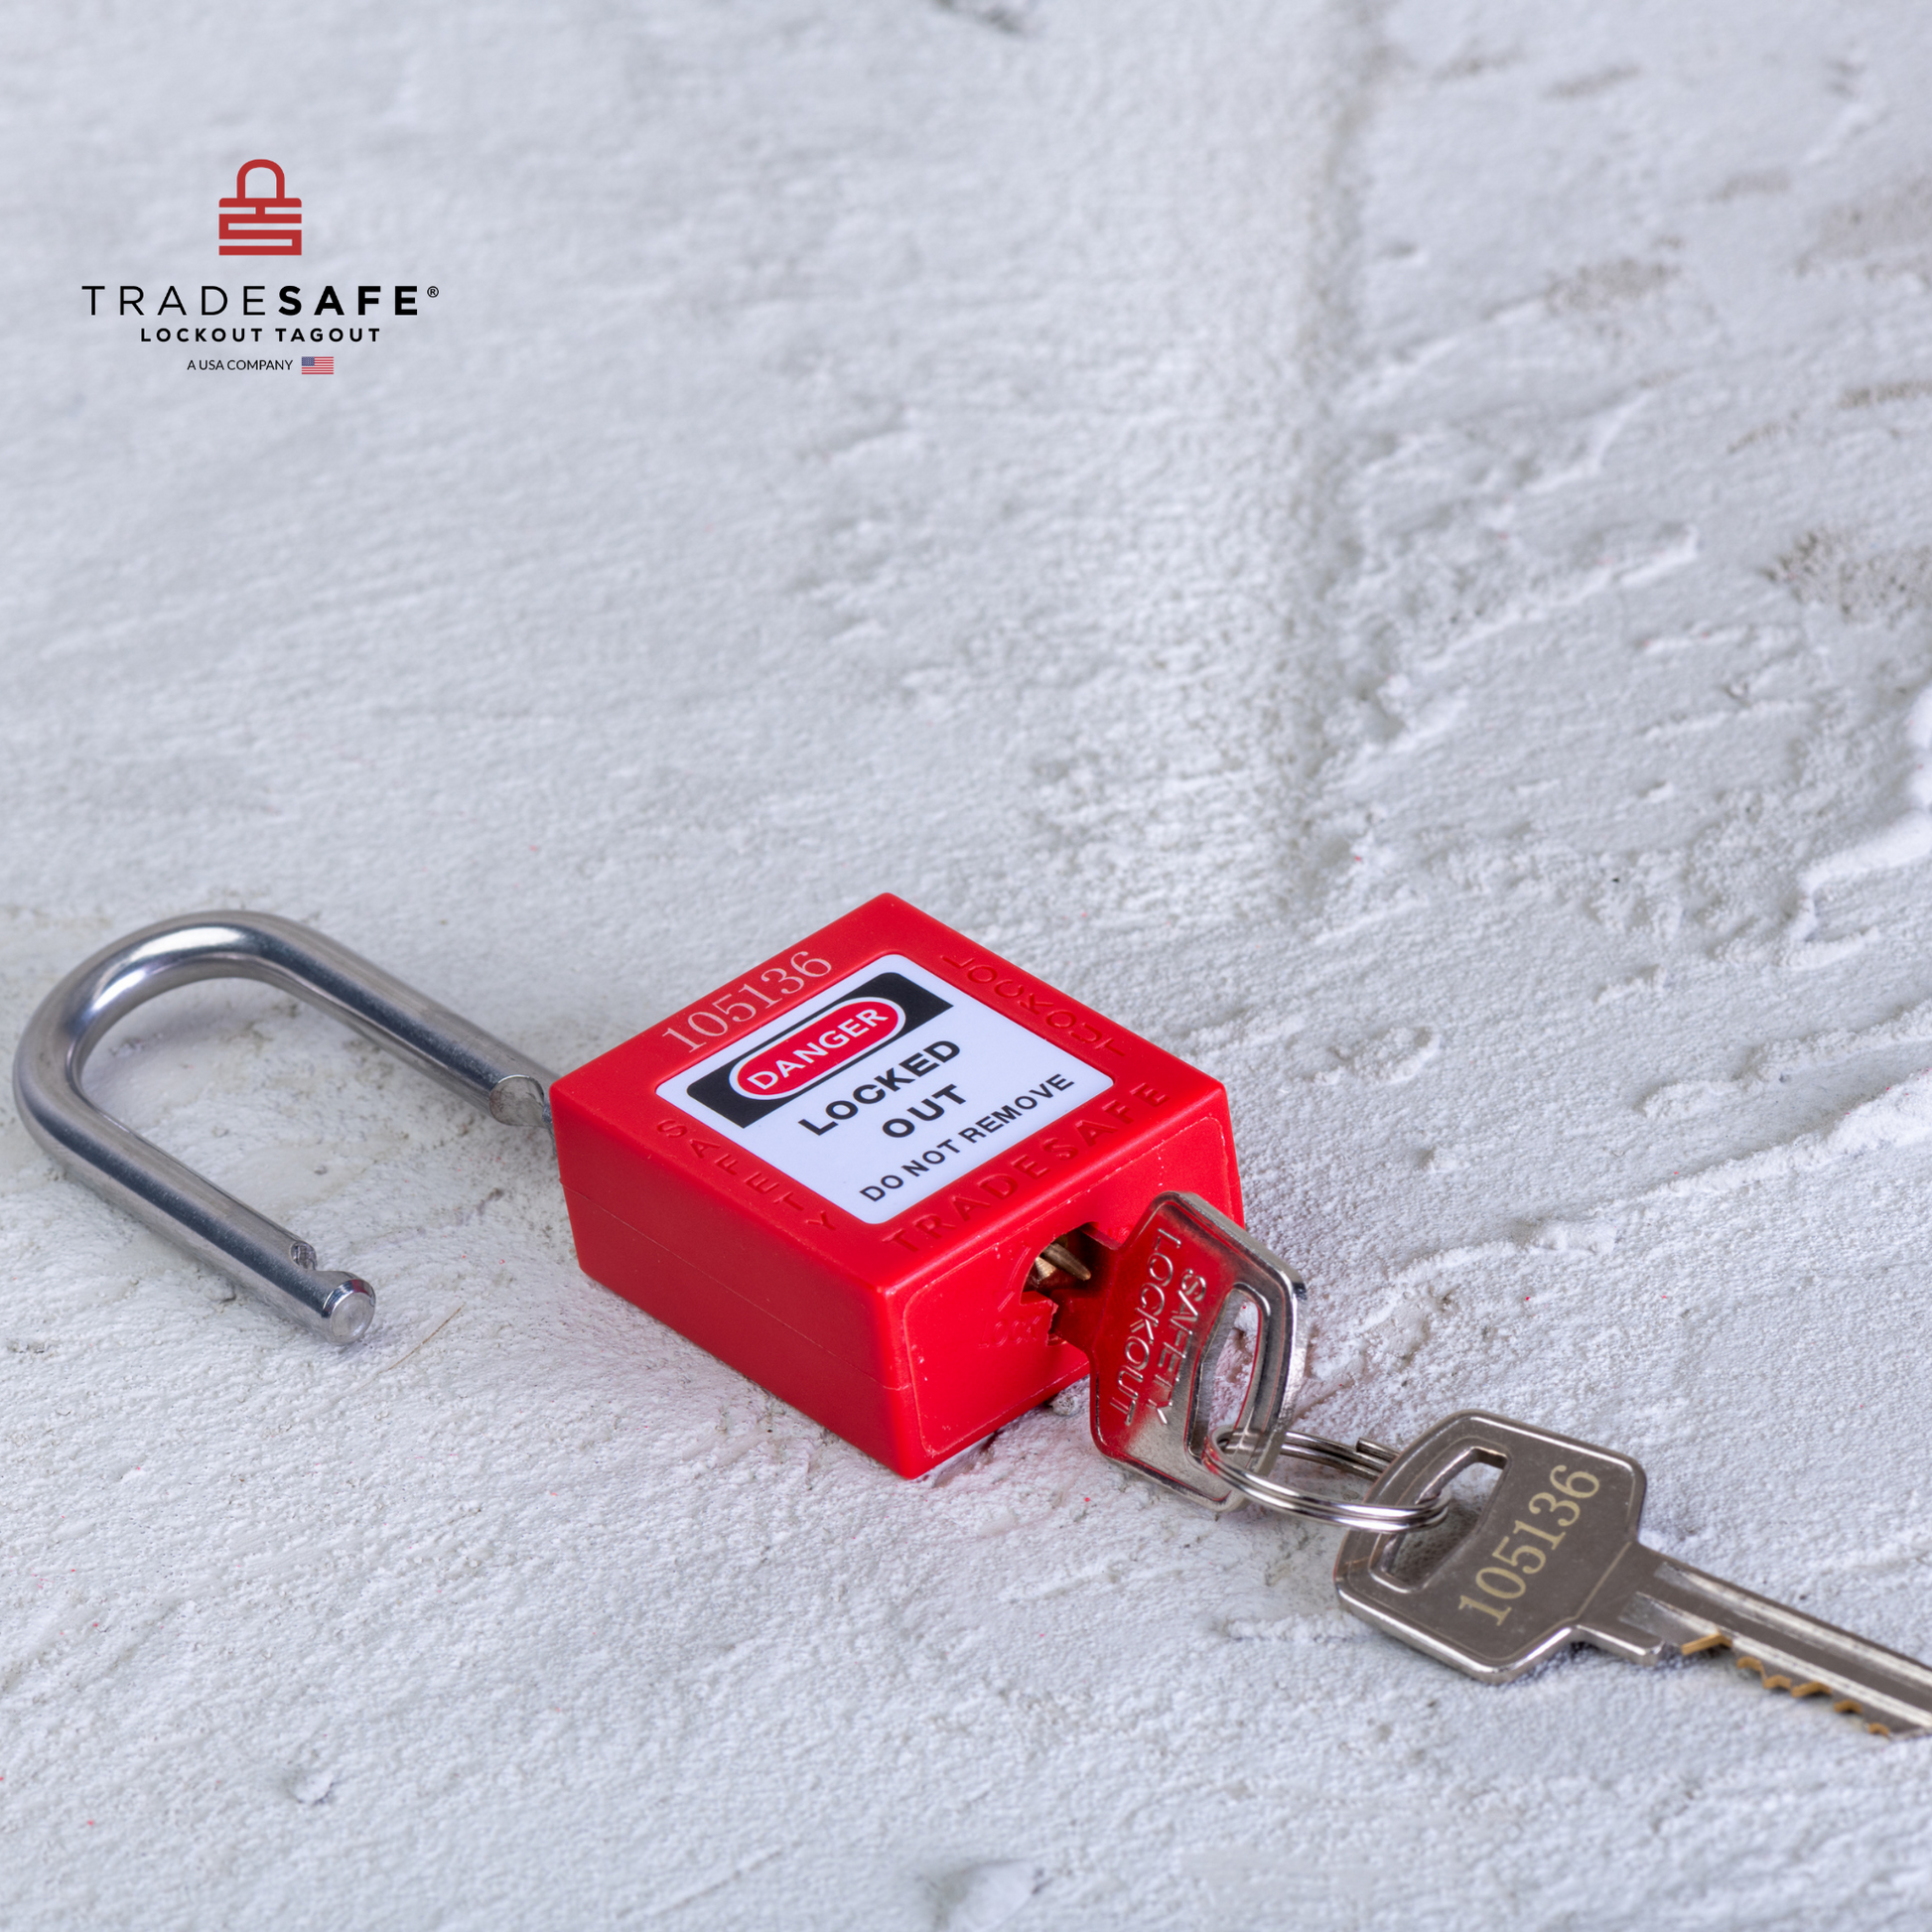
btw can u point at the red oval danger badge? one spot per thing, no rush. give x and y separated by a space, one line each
822 1046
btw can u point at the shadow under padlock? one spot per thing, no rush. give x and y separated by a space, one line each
261 224
906 1187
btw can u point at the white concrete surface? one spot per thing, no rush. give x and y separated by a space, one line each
1383 546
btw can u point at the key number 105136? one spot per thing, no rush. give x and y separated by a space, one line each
1506 1578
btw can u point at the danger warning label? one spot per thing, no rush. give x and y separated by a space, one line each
895 1085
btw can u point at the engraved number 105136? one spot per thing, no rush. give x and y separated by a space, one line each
729 1010
1506 1578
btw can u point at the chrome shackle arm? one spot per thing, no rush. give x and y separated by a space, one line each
173 1200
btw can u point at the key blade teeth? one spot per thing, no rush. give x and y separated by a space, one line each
1786 1648
1844 1704
1799 1687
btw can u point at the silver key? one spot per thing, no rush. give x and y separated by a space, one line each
1554 1559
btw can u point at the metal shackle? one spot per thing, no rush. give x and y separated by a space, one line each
173 1199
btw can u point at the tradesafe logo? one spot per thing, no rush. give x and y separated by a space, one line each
261 224
256 221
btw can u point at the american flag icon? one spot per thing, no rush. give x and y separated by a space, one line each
317 365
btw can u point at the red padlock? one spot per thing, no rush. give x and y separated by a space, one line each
901 1183
836 1174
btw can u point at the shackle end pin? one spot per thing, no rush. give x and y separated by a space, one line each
349 1310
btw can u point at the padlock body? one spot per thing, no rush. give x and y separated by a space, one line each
835 1173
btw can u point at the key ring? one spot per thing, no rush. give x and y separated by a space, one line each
1366 1459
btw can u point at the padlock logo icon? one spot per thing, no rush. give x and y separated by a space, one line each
261 224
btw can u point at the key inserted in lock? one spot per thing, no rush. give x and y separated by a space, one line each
1155 1317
